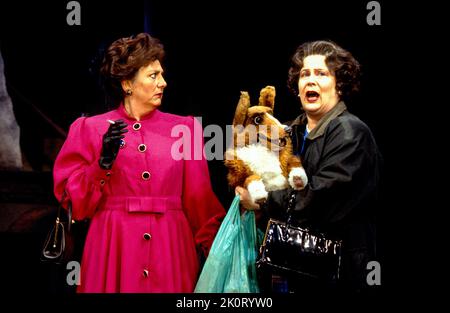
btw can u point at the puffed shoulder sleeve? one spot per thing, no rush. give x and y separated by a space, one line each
77 172
204 211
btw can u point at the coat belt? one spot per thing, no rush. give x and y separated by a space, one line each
142 204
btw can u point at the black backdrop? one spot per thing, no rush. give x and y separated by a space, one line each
214 49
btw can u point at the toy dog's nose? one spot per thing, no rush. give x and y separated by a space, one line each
288 130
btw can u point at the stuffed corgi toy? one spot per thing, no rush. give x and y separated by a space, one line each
260 158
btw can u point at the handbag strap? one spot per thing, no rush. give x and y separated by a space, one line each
291 206
58 218
69 211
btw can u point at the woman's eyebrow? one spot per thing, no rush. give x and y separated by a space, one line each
155 71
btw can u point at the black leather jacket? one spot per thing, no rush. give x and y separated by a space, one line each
343 165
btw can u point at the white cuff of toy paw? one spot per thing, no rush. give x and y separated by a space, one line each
257 191
298 172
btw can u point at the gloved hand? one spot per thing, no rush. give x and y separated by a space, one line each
111 143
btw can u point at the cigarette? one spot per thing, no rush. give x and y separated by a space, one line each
111 122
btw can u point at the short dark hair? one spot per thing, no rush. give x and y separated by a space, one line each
340 62
125 57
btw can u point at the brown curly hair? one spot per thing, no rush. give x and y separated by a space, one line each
125 57
340 62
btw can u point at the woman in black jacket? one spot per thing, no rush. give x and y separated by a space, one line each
340 157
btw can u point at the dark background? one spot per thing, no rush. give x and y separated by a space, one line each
213 51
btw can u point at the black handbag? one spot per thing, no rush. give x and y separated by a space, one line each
292 251
59 244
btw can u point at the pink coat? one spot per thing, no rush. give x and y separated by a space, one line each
145 230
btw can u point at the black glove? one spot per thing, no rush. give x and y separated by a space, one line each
111 144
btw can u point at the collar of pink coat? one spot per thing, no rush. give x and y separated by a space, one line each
121 110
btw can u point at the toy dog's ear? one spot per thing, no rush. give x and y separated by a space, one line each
241 109
267 97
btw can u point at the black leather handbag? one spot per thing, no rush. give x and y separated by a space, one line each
294 251
59 244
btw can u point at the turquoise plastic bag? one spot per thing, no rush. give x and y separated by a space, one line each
230 266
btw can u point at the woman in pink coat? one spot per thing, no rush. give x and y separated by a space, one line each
137 173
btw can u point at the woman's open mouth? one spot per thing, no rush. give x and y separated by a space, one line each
312 96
